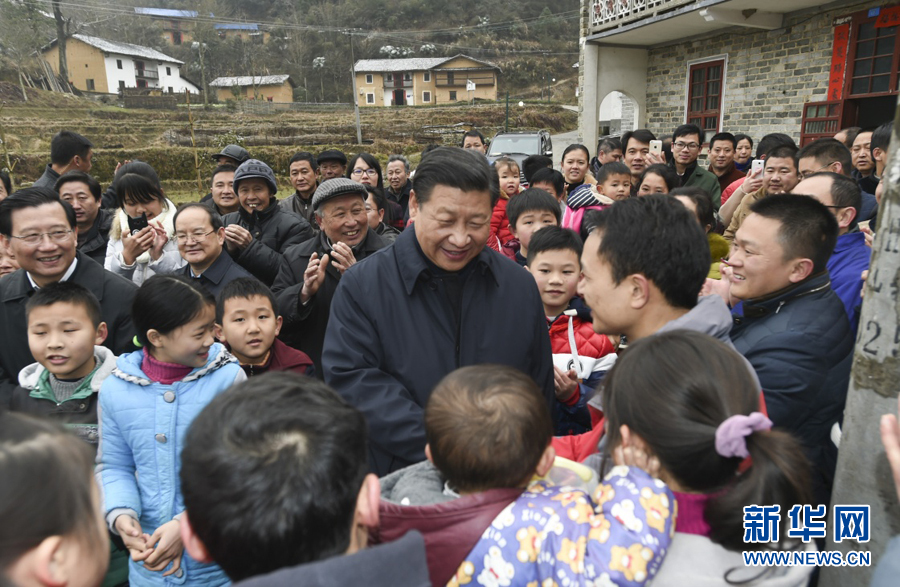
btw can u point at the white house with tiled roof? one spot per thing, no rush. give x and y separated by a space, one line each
424 80
102 66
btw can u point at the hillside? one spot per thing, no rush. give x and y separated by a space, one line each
163 138
533 41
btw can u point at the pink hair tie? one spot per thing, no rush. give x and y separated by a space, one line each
731 435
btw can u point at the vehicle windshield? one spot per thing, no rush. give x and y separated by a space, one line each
526 144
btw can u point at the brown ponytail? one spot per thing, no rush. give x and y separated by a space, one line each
674 390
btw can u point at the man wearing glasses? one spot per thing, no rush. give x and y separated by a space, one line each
686 143
201 241
831 155
41 230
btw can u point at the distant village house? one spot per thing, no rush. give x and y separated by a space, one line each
177 25
271 88
425 80
106 67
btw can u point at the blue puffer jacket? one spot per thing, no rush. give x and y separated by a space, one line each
142 428
800 344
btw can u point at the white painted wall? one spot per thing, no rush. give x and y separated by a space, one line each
611 106
114 74
611 69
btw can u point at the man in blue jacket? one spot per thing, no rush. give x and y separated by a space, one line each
841 195
789 323
434 301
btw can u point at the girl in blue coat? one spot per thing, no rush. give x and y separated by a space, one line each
146 407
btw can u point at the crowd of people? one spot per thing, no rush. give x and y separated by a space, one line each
573 372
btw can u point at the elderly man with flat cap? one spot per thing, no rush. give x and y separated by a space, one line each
332 163
312 270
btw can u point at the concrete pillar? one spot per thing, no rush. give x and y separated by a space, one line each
589 98
624 70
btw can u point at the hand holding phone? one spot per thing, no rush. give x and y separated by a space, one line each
135 225
757 166
656 147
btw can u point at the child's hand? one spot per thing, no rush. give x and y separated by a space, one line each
135 541
633 456
167 547
566 383
160 238
135 245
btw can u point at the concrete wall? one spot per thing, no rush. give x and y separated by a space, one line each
282 93
439 94
114 75
85 62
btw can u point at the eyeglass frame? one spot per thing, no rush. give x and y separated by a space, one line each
682 146
371 172
183 238
62 234
803 176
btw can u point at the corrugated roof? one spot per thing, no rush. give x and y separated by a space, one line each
236 27
122 48
410 64
249 80
166 12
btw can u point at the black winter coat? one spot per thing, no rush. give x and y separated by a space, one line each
114 293
393 335
304 326
800 344
273 230
93 243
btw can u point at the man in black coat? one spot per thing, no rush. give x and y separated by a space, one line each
790 325
434 301
42 233
312 270
261 231
83 193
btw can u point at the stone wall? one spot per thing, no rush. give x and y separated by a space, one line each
769 74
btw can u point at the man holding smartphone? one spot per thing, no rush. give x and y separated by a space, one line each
687 140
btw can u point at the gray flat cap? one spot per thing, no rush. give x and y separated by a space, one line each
334 188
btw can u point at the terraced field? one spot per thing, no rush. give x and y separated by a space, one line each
163 138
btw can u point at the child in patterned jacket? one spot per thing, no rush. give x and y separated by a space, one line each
489 427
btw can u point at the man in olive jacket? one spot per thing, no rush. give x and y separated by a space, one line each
436 300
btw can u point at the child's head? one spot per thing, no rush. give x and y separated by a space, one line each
247 319
675 411
174 319
64 324
137 195
551 181
530 211
614 180
52 524
534 163
554 259
274 474
697 201
657 179
488 426
508 174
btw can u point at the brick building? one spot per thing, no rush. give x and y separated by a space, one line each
424 80
792 66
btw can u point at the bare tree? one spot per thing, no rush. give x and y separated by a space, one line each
61 36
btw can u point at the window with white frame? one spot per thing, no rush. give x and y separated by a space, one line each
370 79
370 98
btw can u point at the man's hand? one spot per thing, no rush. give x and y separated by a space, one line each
133 246
167 547
654 159
890 438
237 237
752 182
566 383
313 277
135 540
342 257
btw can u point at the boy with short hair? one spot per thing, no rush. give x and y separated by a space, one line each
529 212
64 335
581 357
248 324
489 431
613 184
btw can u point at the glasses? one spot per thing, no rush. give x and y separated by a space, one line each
682 146
370 172
57 236
197 237
805 174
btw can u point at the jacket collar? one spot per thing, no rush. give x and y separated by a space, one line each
849 240
759 307
217 270
35 377
257 217
128 367
688 172
413 263
98 231
87 273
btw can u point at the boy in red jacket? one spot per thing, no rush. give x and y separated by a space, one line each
581 357
247 323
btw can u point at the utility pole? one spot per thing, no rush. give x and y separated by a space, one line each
863 475
355 95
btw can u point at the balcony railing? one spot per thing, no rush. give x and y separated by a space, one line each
146 73
607 13
398 83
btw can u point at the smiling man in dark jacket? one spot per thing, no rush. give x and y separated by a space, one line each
790 325
312 270
457 303
261 230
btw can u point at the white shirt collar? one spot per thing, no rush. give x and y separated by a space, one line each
65 277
